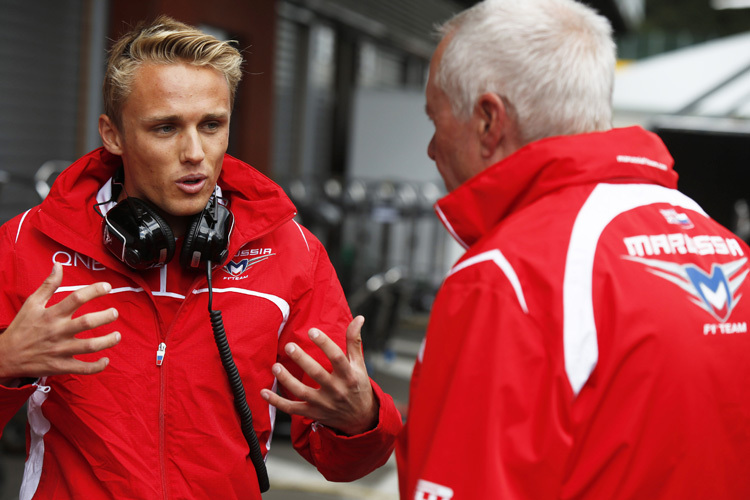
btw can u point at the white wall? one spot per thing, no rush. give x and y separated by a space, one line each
390 137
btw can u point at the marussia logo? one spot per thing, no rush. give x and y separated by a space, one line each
238 268
714 292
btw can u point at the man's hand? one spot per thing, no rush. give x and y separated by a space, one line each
41 340
345 400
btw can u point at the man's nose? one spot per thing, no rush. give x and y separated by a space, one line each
192 147
431 149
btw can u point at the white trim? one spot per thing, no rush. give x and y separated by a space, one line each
449 227
606 202
278 301
272 414
69 288
18 233
302 233
104 198
282 325
282 304
168 294
73 288
499 259
126 289
163 286
640 160
38 427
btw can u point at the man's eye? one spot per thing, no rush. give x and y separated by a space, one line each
212 126
165 129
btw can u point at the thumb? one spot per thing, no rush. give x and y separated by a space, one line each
354 339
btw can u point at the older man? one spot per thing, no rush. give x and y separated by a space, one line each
592 341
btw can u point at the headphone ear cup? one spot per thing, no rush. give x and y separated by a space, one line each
138 235
163 226
167 241
207 237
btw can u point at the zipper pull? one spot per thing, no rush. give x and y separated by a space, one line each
160 354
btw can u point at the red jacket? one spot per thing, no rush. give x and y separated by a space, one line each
592 342
140 430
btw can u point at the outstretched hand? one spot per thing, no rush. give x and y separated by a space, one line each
42 340
345 400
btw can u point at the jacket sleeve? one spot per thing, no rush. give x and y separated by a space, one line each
337 457
486 410
11 399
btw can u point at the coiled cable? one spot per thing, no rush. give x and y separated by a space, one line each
235 382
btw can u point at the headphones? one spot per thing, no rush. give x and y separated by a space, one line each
136 234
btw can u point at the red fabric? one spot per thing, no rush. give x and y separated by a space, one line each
516 396
138 430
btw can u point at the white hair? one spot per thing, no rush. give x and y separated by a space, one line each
551 61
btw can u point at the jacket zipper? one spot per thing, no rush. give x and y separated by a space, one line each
162 430
161 353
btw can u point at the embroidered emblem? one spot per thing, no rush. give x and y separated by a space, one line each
714 292
237 268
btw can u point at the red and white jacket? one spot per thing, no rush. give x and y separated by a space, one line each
146 430
592 342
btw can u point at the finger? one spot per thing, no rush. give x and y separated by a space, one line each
292 384
78 367
308 364
71 366
286 405
91 320
96 344
64 352
75 300
354 348
333 352
47 289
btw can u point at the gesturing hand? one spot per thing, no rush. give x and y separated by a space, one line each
345 400
42 340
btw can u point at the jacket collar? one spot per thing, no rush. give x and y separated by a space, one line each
618 155
67 214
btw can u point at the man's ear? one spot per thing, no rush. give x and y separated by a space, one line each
111 138
492 121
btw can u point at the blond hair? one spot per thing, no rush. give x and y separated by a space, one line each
164 41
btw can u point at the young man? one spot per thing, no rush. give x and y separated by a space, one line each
147 411
592 342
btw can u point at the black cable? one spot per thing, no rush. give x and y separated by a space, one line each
240 400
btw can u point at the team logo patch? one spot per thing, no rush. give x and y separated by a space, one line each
239 267
427 490
714 292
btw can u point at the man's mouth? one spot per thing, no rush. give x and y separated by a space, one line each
191 184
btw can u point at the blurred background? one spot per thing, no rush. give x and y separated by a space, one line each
331 107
